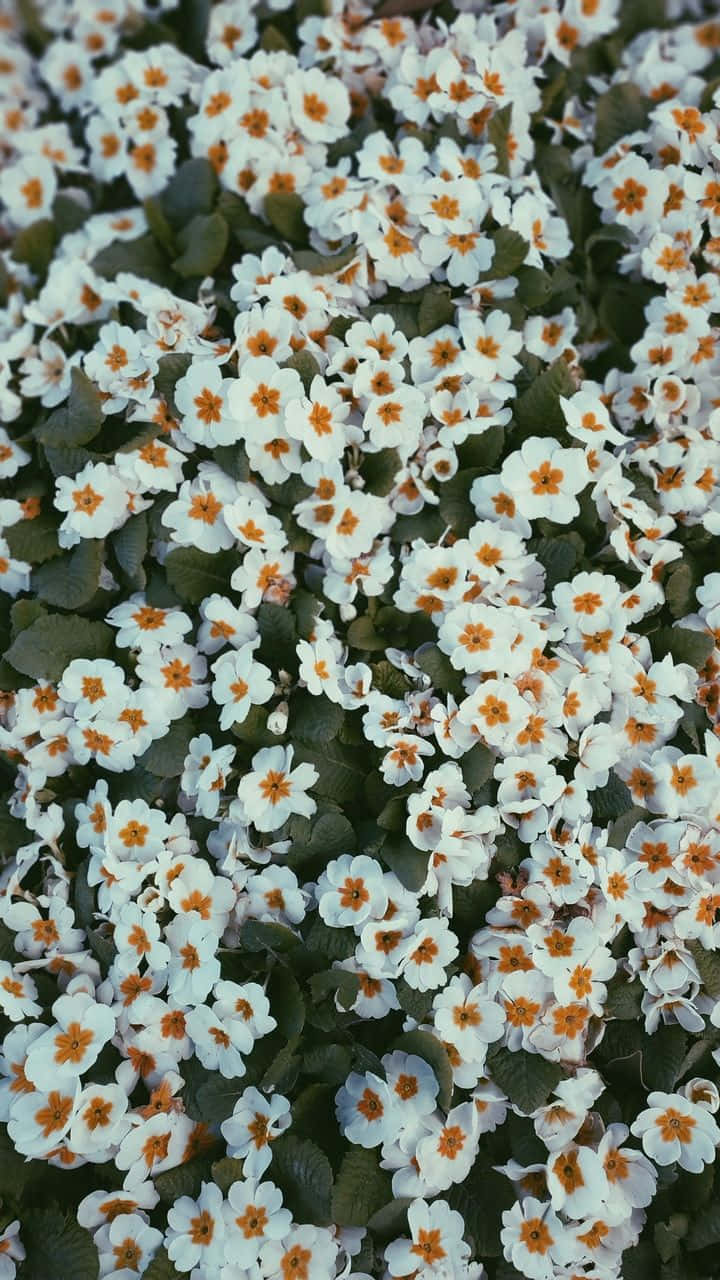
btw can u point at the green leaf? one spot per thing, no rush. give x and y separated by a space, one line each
304 1175
680 588
708 966
159 225
439 668
70 581
559 557
379 471
161 1268
526 1078
620 829
304 363
34 541
319 264
498 133
282 1072
190 192
335 944
170 369
455 506
262 935
130 546
481 1199
57 1246
143 256
340 771
286 1002
427 1046
328 1063
611 801
510 251
249 231
391 1220
184 1180
534 286
196 574
331 833
67 461
272 40
44 649
621 110
15 1171
79 420
436 309
477 766
409 864
203 242
285 212
389 679
341 982
361 1189
314 718
35 245
538 409
278 637
684 643
663 1057
225 1172
415 1003
217 1097
361 634
704 1229
166 756
624 999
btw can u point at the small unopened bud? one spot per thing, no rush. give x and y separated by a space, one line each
277 720
348 612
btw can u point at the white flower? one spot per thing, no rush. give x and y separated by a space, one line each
274 790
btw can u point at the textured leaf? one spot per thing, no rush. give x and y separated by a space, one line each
526 1078
130 546
161 1268
498 132
70 581
185 1180
340 771
285 212
286 1002
261 935
708 966
203 243
191 191
47 647
166 756
622 109
436 309
34 541
510 251
314 718
196 574
304 1175
57 1246
34 245
361 1189
684 643
170 368
409 864
143 256
538 409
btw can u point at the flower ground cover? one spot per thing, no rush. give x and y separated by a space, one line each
360 746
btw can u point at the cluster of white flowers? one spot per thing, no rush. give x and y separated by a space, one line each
373 482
